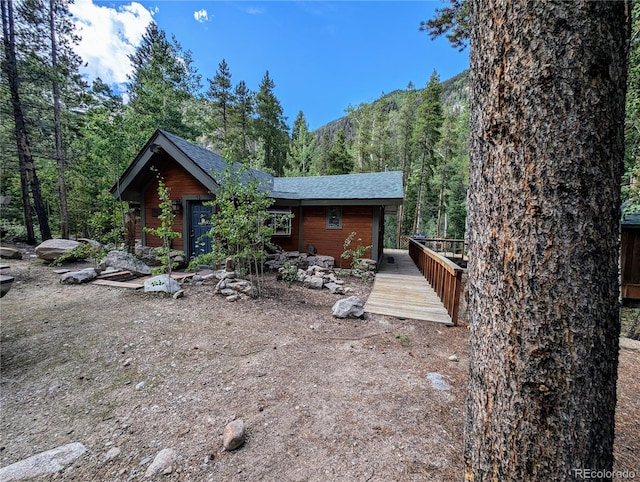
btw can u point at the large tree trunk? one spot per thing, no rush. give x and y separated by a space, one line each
28 174
548 83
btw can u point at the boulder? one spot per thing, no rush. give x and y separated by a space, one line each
147 255
9 253
51 249
126 262
350 307
163 284
5 285
233 435
45 463
77 277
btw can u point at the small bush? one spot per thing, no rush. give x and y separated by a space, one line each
82 251
13 231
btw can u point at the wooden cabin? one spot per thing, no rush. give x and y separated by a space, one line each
325 209
630 256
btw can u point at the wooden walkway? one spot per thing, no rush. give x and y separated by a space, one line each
400 290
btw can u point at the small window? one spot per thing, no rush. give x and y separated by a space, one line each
280 221
334 218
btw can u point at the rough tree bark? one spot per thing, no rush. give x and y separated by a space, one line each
28 176
547 143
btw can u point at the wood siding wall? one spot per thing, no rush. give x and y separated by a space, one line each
630 263
180 183
290 243
330 241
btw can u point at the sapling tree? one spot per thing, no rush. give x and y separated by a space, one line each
238 228
355 254
165 231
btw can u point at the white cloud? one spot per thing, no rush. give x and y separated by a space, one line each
254 11
201 15
109 35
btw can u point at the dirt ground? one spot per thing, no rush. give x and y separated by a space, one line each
322 399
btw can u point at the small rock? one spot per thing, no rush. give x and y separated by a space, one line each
162 464
140 386
162 283
222 274
335 288
112 454
350 307
230 265
127 362
233 435
77 277
178 294
314 282
453 358
232 298
438 382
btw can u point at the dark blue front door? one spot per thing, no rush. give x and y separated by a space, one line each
199 226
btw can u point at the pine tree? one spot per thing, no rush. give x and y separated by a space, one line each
163 79
631 179
221 95
405 134
241 122
270 127
426 134
339 160
547 149
301 149
30 181
362 118
380 149
106 151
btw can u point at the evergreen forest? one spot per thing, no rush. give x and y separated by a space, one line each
64 143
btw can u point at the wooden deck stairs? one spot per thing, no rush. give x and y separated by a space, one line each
400 290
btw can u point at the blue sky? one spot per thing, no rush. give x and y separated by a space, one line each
322 56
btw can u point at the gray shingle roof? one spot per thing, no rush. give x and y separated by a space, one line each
373 185
368 186
210 162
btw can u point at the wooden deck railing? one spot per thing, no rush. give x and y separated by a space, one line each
454 248
444 276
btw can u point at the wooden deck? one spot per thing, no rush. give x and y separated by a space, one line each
400 290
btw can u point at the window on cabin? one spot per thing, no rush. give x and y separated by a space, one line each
334 218
280 221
